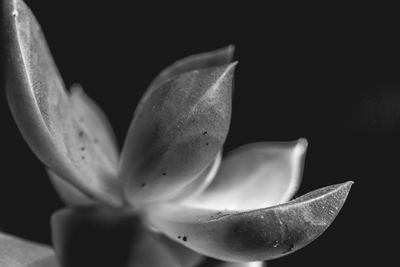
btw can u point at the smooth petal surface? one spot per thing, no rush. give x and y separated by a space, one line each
105 237
176 134
256 235
255 176
68 193
15 252
55 124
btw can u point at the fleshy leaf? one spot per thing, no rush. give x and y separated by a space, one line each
68 193
196 187
255 176
256 235
105 237
15 252
176 134
53 122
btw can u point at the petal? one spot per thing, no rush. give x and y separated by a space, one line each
52 121
256 235
15 252
176 134
105 237
255 176
68 193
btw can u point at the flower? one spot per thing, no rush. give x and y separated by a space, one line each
168 197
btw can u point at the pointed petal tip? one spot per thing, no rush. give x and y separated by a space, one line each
302 144
230 49
233 64
347 185
229 69
226 51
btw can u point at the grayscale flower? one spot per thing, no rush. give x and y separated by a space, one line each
168 197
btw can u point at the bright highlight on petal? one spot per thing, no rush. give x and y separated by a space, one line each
15 252
67 132
176 134
255 176
255 235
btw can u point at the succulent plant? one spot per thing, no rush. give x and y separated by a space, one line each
168 198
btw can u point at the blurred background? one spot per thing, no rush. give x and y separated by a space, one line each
329 74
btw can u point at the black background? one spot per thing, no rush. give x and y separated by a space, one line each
329 74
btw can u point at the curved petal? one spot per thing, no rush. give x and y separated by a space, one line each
176 134
255 176
214 58
255 235
105 237
15 252
51 121
68 193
